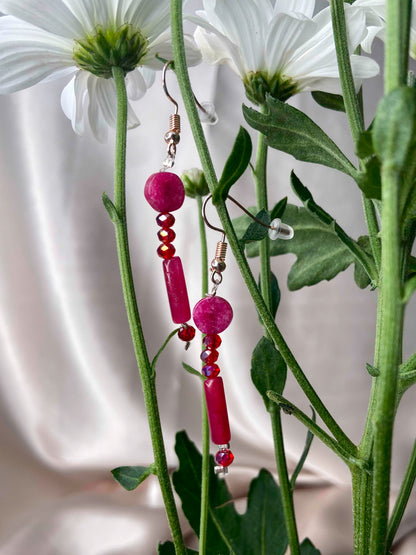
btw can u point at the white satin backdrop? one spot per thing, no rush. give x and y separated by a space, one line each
71 404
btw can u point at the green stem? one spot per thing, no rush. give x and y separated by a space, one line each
205 425
207 165
145 370
349 457
353 111
397 39
351 101
384 407
402 499
262 204
390 305
265 273
284 482
162 348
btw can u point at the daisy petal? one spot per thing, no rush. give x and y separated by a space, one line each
148 76
84 13
29 55
51 15
135 84
95 117
73 101
162 47
283 35
304 7
217 49
152 17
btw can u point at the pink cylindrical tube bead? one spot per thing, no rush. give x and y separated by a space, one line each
217 411
176 288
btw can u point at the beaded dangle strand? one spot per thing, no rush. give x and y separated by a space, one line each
212 315
165 193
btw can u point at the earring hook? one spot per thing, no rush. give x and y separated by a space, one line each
207 109
277 229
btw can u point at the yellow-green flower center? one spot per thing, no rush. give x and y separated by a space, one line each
109 47
260 83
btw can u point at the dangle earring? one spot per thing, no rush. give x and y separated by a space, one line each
165 193
212 315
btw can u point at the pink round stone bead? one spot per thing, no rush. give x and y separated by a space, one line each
212 315
164 191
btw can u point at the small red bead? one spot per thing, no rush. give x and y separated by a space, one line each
166 251
224 457
186 333
166 235
211 370
165 220
209 357
212 341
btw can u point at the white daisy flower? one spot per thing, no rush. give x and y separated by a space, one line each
42 40
279 48
375 11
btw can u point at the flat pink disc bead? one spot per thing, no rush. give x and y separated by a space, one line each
217 411
176 288
164 191
212 315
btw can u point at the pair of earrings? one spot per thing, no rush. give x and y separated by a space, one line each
165 193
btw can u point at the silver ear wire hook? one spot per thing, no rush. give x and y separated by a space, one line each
277 229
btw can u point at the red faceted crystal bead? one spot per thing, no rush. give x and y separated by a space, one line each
212 315
212 341
164 191
211 370
224 457
165 220
166 235
209 357
217 411
186 333
166 251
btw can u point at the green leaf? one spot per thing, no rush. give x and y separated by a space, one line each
192 370
364 147
278 209
320 254
111 209
369 180
235 166
262 526
291 131
274 293
330 101
394 126
307 548
168 548
305 452
131 476
360 275
260 530
187 482
256 231
268 370
374 372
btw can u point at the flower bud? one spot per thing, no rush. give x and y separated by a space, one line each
195 183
